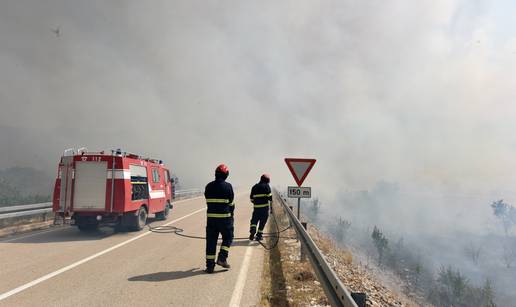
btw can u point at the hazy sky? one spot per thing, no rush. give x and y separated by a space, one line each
419 92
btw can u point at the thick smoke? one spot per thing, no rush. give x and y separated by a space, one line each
419 93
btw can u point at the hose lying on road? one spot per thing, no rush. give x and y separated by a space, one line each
179 231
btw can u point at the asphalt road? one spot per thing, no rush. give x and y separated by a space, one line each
64 267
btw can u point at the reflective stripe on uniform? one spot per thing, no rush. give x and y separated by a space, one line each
253 225
226 248
260 231
261 206
232 204
261 195
218 215
210 257
217 200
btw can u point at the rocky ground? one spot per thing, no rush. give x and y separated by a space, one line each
358 278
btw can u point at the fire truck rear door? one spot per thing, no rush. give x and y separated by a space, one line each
90 185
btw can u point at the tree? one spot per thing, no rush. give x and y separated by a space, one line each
505 213
473 252
509 255
314 209
418 269
488 295
453 289
396 257
341 228
380 242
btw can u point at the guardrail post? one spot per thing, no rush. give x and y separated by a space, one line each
302 257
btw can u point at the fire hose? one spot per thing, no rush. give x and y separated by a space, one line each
180 232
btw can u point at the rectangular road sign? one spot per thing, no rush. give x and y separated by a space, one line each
299 192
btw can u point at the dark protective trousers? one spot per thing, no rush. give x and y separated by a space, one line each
214 227
258 220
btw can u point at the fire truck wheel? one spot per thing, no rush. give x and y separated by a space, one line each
139 221
163 215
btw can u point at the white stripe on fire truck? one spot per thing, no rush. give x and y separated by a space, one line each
157 194
119 174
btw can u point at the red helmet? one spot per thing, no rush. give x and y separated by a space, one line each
223 169
265 178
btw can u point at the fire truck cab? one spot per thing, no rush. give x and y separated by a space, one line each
111 189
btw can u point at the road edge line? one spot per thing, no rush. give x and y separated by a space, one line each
236 297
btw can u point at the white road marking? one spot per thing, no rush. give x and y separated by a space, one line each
236 297
73 265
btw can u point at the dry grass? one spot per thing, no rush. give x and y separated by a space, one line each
25 227
286 280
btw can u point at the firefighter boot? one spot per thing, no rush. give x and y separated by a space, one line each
223 263
210 266
258 236
251 236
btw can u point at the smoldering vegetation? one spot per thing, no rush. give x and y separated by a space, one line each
457 250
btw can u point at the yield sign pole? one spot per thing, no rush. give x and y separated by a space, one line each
299 168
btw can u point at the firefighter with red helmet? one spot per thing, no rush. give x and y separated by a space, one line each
219 199
261 197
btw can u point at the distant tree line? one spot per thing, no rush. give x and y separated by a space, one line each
10 196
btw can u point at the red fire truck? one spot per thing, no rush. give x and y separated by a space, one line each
111 189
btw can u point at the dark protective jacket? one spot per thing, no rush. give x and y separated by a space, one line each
261 195
219 198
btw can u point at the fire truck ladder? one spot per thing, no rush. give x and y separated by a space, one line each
62 215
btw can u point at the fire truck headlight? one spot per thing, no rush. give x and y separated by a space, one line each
99 217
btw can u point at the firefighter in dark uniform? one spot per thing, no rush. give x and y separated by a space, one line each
219 199
261 196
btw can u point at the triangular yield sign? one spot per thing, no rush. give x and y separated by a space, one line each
299 168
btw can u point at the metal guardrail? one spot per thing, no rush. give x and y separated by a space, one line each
25 207
335 291
24 210
187 192
24 213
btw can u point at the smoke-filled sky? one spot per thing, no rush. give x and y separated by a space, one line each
419 92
